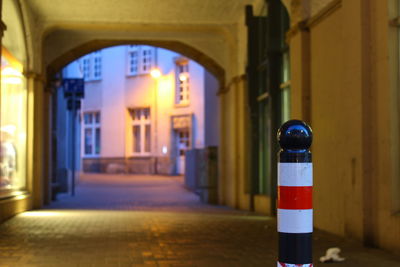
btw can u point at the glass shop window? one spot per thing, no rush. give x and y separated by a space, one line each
13 125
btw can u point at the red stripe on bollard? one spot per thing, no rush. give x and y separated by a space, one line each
295 197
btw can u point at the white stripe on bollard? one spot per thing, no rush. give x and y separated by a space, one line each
295 174
295 221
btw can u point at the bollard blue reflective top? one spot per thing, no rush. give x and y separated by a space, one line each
295 135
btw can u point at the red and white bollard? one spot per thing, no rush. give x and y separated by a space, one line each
295 182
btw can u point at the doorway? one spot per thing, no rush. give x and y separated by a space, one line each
182 141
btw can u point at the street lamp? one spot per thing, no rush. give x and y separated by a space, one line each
183 76
156 74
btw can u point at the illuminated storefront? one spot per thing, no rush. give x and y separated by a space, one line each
13 106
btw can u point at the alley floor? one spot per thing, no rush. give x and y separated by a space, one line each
122 220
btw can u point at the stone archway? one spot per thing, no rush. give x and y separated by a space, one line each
215 47
176 46
56 64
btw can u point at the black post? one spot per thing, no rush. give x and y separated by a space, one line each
295 182
73 142
73 91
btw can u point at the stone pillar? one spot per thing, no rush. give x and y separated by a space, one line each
36 82
48 90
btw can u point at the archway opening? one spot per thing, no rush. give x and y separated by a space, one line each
139 112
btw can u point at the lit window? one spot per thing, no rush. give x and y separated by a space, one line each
92 133
140 59
141 131
182 83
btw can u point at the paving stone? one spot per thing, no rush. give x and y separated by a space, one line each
121 220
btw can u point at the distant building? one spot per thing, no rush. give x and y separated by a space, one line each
143 108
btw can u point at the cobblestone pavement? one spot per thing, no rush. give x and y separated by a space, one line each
153 221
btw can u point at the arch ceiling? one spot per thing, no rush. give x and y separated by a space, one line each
207 26
139 11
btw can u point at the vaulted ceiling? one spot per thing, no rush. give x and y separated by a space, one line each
138 11
208 26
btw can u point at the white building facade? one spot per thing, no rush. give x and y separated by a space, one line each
144 107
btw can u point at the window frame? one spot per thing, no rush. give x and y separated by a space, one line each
132 50
97 65
93 126
266 44
145 60
285 86
182 88
86 68
91 64
142 123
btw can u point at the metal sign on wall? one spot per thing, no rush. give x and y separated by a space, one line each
74 86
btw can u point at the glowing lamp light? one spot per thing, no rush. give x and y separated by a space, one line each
183 76
10 75
22 136
10 129
155 73
48 213
38 214
164 150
